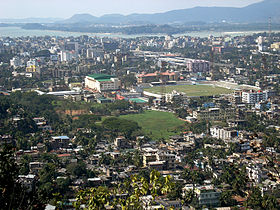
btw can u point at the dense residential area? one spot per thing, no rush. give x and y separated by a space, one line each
155 122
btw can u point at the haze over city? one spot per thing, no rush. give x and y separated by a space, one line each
66 8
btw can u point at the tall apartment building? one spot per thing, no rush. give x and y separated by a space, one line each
66 56
197 65
253 97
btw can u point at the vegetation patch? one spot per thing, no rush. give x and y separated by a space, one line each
157 125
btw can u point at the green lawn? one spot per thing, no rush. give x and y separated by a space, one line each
155 124
193 90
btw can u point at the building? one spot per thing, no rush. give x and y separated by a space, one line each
157 165
32 62
58 142
33 66
149 157
66 56
260 41
192 65
33 69
122 143
252 97
95 52
15 62
223 133
275 46
157 76
255 173
102 82
207 195
213 114
168 159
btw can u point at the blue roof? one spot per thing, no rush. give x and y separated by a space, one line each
60 137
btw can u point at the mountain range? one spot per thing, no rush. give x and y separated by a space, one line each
258 12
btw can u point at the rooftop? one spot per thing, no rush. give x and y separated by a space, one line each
101 77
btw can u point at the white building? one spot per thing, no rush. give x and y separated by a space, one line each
223 133
260 43
32 62
207 195
102 82
15 62
253 97
66 56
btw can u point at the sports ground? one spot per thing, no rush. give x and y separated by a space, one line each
192 90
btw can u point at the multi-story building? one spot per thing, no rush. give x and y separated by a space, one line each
207 195
168 159
255 173
275 45
223 133
154 77
66 56
15 62
253 97
149 157
58 142
121 143
192 65
102 82
213 114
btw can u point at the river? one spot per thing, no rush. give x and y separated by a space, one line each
19 32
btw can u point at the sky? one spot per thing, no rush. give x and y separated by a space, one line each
67 8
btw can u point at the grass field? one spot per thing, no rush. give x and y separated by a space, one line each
193 90
155 124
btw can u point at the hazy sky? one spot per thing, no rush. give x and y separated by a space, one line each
66 8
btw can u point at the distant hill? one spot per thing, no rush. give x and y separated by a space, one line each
258 12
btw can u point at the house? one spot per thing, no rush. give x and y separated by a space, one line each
149 157
207 195
35 167
122 143
28 181
148 203
58 142
168 159
157 165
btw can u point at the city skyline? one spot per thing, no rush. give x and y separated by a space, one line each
67 8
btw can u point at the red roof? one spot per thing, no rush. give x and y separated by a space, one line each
167 73
64 155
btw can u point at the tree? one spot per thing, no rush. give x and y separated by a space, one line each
12 193
226 199
46 182
136 187
122 126
128 80
77 169
257 201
